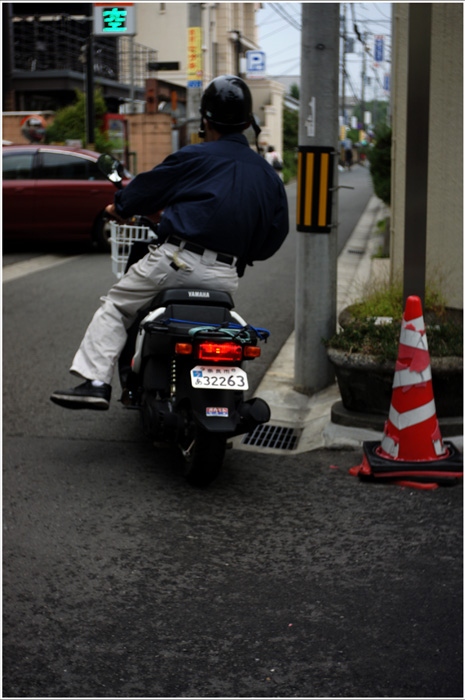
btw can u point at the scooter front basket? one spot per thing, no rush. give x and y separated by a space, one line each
122 238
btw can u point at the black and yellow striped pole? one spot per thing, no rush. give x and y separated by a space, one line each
315 188
317 211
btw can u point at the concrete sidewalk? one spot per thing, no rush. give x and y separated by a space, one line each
310 416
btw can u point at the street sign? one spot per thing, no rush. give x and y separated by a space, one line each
310 121
255 64
379 49
194 57
111 19
163 65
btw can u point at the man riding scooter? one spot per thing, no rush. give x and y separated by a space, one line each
223 208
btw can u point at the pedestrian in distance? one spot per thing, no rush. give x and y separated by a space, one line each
348 155
222 208
274 159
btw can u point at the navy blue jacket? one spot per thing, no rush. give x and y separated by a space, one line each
220 195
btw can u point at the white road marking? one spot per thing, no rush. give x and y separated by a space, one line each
27 267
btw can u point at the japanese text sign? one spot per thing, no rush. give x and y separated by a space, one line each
194 57
111 19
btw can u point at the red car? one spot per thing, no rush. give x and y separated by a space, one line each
55 192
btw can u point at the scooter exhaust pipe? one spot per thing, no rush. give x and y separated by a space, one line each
254 412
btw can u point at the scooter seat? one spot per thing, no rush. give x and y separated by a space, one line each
206 297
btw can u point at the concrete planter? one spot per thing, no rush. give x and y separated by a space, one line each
365 383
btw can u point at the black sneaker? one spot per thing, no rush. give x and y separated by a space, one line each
84 396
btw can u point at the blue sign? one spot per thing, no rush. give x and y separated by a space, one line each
379 48
255 62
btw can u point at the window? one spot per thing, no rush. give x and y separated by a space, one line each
66 166
17 166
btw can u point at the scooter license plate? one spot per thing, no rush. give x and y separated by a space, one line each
219 378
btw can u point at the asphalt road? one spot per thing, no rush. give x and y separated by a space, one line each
286 578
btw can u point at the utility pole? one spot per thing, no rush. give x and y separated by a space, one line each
416 181
8 59
316 268
343 63
194 70
90 118
363 78
131 74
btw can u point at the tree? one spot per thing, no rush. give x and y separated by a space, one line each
295 91
290 143
290 129
70 123
378 110
380 163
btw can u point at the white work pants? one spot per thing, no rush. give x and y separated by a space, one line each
106 335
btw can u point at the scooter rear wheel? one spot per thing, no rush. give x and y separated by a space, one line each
203 457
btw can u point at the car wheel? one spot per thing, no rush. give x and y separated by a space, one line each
102 234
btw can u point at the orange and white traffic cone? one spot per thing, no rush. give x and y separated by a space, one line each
412 430
412 444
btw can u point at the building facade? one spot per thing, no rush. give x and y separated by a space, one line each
444 236
45 58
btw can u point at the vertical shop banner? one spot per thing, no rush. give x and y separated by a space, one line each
194 57
379 49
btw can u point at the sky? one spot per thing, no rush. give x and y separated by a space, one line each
279 37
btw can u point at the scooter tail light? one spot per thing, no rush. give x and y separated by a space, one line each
251 351
183 349
220 352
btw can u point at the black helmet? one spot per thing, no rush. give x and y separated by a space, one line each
227 102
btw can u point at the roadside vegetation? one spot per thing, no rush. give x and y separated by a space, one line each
290 138
362 333
70 123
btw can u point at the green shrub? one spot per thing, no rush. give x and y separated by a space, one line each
290 165
388 300
367 338
70 123
379 157
361 334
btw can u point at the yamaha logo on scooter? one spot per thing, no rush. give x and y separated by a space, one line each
199 295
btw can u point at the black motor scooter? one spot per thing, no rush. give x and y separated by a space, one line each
183 366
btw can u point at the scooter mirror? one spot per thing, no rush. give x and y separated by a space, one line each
110 167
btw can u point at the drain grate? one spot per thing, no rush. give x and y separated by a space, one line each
274 437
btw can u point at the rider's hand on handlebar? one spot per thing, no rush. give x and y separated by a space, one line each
110 212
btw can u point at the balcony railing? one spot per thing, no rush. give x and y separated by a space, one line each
59 43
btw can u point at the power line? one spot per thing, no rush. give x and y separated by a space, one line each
360 29
279 29
376 6
296 58
277 53
279 9
281 15
285 15
289 71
